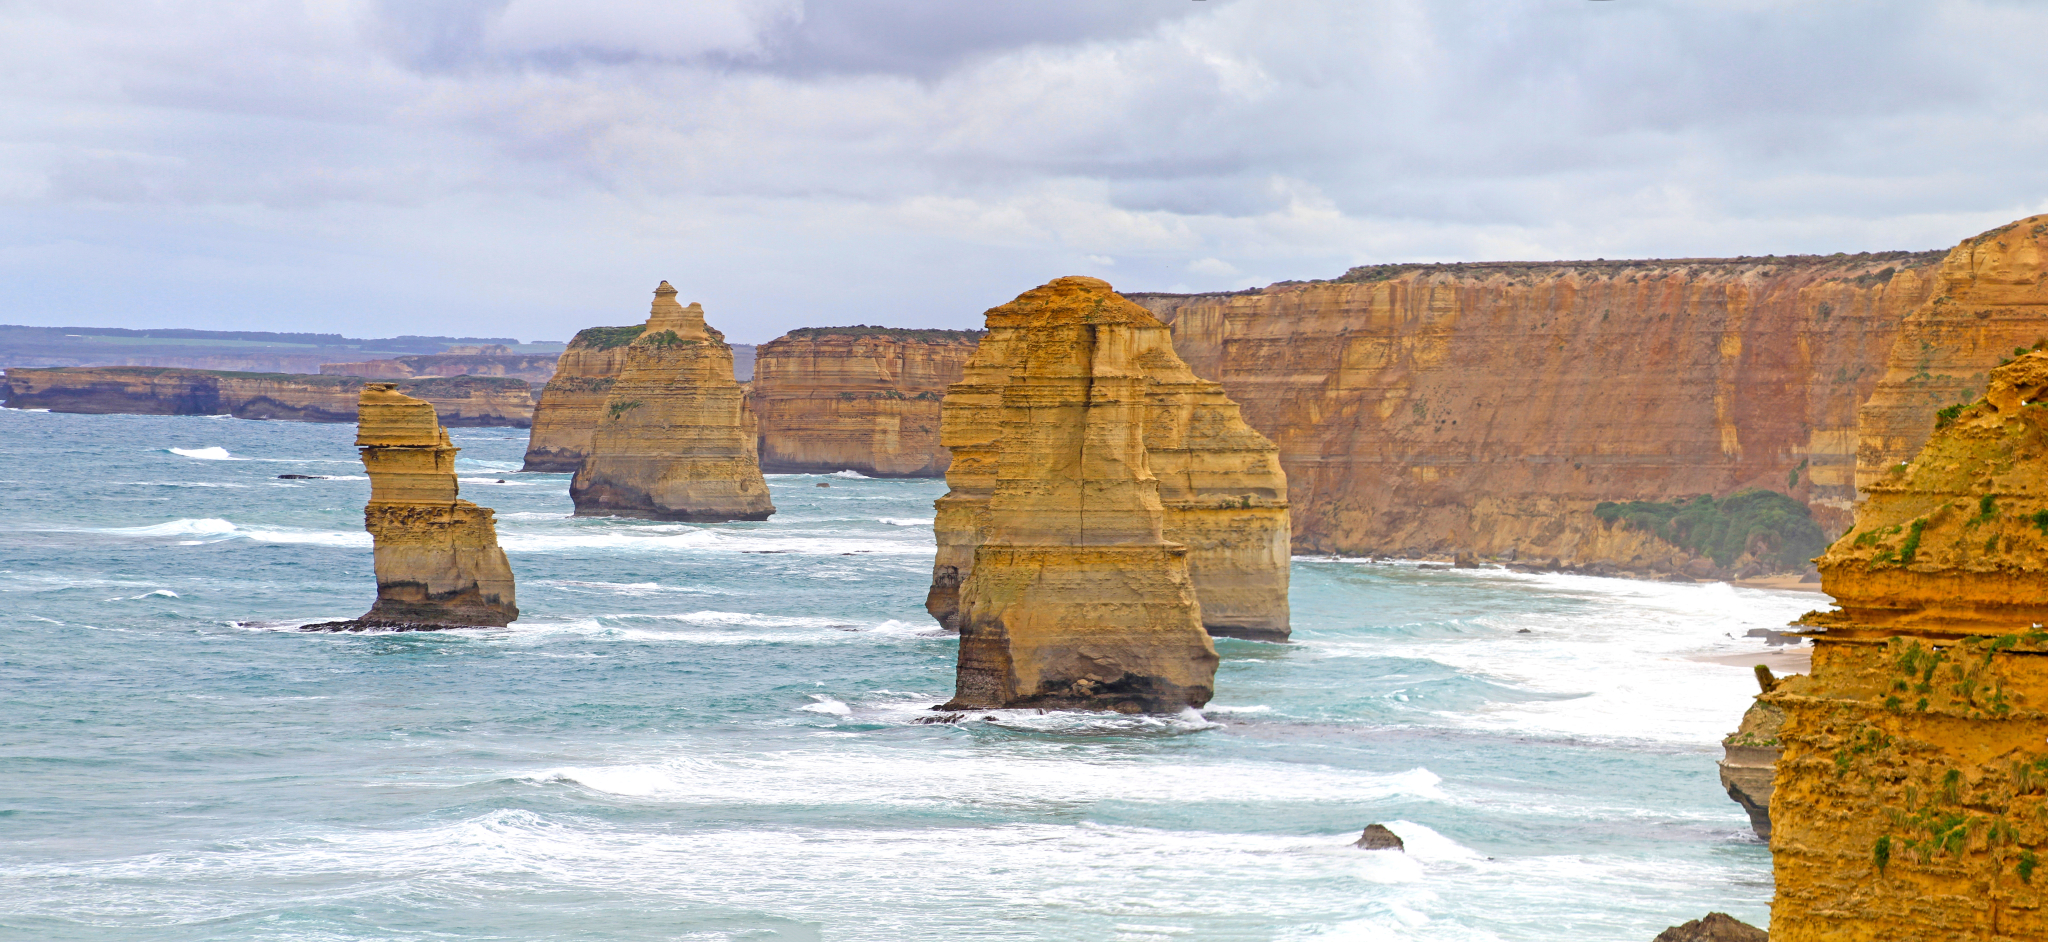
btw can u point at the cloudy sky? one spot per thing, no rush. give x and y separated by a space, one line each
529 167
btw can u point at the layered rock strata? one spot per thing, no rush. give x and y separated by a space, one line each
572 402
437 557
1076 599
862 399
1490 407
1911 798
1219 483
1749 762
677 439
493 360
465 402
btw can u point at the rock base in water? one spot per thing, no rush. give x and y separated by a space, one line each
1717 927
1379 837
366 625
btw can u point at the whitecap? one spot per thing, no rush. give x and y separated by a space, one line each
826 705
214 529
209 453
160 593
848 474
908 521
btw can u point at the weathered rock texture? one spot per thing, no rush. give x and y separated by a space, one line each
1222 492
1716 927
1426 409
1750 760
1912 794
492 360
143 390
438 561
572 402
860 399
1076 599
677 439
1988 297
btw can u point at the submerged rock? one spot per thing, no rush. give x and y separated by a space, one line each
677 439
1716 927
1909 795
1379 837
1074 599
437 558
1221 491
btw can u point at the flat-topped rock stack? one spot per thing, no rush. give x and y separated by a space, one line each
677 438
437 558
1222 492
1075 598
572 402
1911 798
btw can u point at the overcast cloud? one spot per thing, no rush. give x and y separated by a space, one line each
529 167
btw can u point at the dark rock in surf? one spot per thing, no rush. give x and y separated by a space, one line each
1377 837
1717 927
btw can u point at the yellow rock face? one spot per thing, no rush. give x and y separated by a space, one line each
677 440
1989 296
572 403
437 557
1911 800
1076 598
1222 493
856 399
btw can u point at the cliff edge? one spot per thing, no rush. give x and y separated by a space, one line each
862 399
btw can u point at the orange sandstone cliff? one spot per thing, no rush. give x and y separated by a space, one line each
860 399
1490 407
481 360
437 557
146 390
572 402
677 439
1911 799
1075 598
1219 483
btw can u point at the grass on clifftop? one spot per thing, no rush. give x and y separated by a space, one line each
606 338
1775 528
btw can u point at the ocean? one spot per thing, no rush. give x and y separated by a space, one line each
710 732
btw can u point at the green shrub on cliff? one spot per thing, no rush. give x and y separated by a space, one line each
1775 528
606 338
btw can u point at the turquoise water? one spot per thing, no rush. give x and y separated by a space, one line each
707 732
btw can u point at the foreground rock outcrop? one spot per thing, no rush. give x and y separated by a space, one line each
473 360
862 399
1912 794
1749 762
677 439
1221 491
1075 598
1421 410
572 402
437 556
460 402
1716 927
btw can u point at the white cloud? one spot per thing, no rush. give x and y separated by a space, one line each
1212 266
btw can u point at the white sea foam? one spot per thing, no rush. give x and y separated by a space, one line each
827 705
209 453
908 521
848 474
214 529
659 538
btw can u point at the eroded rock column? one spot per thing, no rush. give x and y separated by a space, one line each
1911 799
437 558
677 438
1076 599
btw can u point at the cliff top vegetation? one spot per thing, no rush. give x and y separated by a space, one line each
606 338
913 334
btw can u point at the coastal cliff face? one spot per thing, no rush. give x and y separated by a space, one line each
1428 409
1988 297
1912 795
1221 490
572 402
534 369
676 440
1077 599
862 399
437 557
465 402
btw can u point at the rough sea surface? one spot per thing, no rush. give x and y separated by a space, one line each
710 732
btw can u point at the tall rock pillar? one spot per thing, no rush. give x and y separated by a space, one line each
1911 799
437 557
1076 599
677 438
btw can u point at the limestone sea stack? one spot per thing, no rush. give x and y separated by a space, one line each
1076 599
1910 794
437 557
1222 492
677 439
1749 762
572 402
